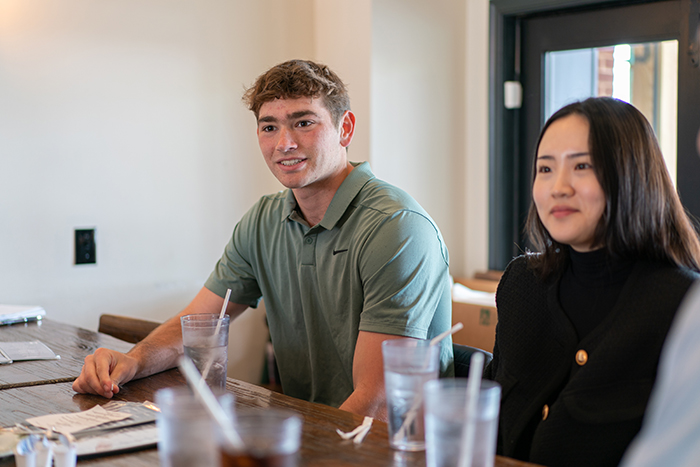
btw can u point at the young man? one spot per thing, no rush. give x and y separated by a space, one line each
343 260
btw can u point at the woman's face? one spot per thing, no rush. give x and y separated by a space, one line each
566 192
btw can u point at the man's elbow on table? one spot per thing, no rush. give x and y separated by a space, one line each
367 402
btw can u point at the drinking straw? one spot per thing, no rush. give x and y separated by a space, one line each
210 403
449 332
413 410
358 433
367 422
476 366
207 367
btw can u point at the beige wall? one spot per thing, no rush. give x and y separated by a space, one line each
429 114
126 116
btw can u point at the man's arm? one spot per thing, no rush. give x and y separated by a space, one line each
106 369
368 397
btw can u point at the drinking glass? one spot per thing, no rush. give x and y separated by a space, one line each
445 419
187 434
205 339
271 437
408 364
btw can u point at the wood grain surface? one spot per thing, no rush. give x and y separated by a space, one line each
73 344
321 445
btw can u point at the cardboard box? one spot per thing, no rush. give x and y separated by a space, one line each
479 319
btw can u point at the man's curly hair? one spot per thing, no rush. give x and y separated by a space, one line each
299 78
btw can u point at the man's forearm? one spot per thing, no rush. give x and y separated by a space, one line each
160 350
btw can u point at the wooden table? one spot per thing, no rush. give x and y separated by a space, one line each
321 445
71 343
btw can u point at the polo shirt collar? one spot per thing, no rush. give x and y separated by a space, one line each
351 186
348 190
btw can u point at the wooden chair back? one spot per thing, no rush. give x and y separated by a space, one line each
125 328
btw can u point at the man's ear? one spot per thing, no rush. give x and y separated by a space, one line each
347 128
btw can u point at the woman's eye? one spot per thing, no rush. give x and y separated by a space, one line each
543 169
583 166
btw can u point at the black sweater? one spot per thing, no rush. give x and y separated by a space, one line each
594 409
590 286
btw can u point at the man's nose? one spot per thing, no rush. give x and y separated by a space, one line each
286 142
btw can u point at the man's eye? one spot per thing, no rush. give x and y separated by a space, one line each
267 128
304 123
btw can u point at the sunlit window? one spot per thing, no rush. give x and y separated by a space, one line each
622 73
645 75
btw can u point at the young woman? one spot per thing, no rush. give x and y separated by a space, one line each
582 322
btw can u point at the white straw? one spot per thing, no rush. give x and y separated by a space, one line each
205 373
449 332
210 403
476 366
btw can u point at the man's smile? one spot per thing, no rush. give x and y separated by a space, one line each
291 162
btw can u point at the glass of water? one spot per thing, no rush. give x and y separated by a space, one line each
445 419
408 364
187 434
205 338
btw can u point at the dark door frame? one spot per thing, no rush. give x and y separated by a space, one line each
509 172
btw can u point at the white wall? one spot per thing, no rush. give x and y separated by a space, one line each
429 106
343 41
474 227
125 116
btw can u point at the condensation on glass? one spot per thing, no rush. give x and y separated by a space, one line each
645 75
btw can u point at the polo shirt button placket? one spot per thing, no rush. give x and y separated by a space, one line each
308 255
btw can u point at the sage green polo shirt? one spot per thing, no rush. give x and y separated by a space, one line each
376 262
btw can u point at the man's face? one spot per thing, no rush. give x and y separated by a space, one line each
300 143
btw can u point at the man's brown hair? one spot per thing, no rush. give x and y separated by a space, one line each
299 78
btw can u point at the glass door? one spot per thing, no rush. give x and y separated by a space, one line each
641 53
645 75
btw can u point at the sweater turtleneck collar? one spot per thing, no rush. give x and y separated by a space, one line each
597 268
590 286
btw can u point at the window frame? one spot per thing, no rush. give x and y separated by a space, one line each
511 134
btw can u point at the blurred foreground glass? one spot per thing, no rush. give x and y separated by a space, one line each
408 364
205 338
445 417
271 438
187 434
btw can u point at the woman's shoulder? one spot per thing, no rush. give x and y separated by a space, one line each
667 272
520 292
520 265
519 274
656 285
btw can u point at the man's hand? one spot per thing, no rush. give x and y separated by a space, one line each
104 371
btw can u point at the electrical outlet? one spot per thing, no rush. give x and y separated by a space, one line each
85 246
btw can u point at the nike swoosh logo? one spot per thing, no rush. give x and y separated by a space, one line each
335 252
